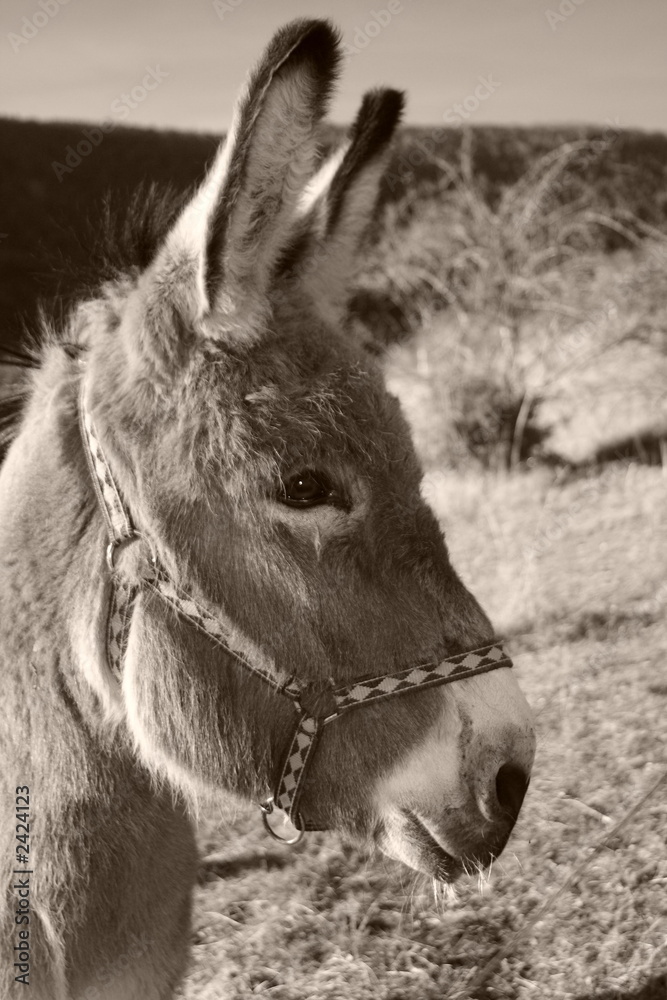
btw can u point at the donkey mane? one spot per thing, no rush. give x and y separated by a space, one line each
127 237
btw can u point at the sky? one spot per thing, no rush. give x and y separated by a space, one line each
508 62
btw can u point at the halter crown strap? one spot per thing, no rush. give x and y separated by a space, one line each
346 697
116 515
120 530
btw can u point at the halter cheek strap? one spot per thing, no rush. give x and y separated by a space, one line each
346 697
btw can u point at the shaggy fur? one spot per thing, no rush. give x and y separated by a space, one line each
213 375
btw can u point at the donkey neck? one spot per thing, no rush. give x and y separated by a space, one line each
52 545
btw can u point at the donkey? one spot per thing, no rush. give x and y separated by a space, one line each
218 576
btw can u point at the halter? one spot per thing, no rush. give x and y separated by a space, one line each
341 699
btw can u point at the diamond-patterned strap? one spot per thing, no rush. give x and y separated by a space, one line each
454 668
116 516
120 529
290 784
121 606
213 626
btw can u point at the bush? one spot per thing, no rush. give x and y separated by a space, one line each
505 293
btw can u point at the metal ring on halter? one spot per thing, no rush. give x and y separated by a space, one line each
267 808
118 543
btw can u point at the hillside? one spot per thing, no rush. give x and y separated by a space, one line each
51 206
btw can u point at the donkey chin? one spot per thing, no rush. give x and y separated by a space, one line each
449 806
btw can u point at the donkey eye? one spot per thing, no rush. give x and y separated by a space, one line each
304 489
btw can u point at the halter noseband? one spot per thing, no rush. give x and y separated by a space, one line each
287 794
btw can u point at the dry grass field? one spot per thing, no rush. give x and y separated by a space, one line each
535 375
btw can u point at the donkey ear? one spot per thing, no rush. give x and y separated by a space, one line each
339 202
215 266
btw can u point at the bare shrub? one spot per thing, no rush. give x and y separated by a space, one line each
506 295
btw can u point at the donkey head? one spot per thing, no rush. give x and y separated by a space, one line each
275 477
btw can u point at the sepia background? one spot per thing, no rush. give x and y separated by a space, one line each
517 290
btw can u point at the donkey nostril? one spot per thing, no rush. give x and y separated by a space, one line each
511 787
